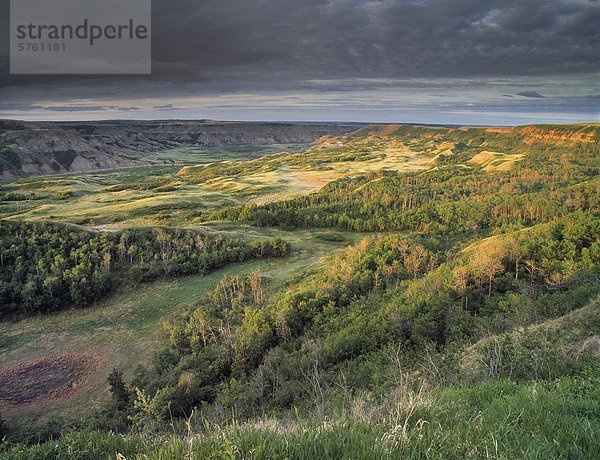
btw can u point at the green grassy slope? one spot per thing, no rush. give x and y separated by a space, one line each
498 420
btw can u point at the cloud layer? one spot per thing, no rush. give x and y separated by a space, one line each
381 38
219 47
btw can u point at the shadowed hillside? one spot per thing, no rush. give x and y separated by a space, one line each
43 148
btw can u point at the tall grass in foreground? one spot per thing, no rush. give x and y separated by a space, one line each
496 419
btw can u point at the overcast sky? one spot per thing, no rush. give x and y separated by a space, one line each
429 61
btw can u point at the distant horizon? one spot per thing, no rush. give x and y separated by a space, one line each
299 121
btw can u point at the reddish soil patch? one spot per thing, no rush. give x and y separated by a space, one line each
53 377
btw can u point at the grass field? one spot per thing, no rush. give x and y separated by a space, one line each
195 155
495 419
172 195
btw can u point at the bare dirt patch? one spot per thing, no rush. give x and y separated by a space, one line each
52 377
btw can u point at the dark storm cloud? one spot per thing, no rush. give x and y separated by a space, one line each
65 108
291 40
19 107
533 94
79 108
380 38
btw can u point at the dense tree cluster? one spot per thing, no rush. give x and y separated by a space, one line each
46 267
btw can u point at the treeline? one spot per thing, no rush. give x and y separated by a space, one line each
446 200
543 186
13 196
243 350
47 267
